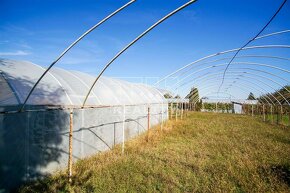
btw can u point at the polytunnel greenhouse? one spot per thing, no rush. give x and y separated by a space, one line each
39 139
217 111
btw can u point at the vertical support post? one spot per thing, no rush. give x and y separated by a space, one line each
185 109
70 146
123 129
264 115
277 110
272 118
167 110
281 115
171 110
176 111
252 110
114 134
288 117
161 116
266 112
216 107
148 123
181 114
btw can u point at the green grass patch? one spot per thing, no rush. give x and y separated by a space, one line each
204 152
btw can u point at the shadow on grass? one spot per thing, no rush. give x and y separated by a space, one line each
279 171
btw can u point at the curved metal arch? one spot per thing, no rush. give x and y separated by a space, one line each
141 91
263 96
257 70
243 56
206 94
71 46
105 85
218 54
252 83
272 34
243 73
238 78
133 42
254 88
252 69
245 90
214 93
79 79
270 79
266 85
224 64
66 94
261 93
15 92
250 41
211 92
259 37
277 91
123 90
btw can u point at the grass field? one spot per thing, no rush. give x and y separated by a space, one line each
204 152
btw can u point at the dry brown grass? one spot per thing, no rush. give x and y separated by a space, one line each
205 152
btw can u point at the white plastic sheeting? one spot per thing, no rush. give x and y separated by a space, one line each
63 87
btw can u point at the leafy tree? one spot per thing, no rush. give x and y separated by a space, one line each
251 96
283 91
193 95
168 96
177 97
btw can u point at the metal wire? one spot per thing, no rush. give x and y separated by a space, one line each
272 18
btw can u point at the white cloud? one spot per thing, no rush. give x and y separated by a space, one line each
17 53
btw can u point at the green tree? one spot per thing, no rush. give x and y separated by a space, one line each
283 91
168 96
251 96
177 97
193 95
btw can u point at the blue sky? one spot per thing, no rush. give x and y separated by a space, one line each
38 31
